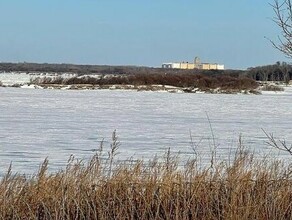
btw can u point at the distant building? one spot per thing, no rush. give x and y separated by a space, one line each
195 65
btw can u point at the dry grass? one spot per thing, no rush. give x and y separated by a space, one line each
273 88
159 189
200 81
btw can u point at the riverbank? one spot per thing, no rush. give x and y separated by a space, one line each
103 188
168 83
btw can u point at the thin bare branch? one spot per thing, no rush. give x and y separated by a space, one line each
278 144
283 19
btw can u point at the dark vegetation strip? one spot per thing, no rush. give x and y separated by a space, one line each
97 69
179 80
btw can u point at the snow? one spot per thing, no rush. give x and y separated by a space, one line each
14 78
25 86
36 123
21 78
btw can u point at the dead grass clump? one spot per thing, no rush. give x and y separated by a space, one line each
158 189
274 88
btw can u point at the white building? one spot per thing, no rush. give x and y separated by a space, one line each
196 65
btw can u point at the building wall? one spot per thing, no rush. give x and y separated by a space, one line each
196 65
211 66
176 65
205 66
191 66
187 65
220 67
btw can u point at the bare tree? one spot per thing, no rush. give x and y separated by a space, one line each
283 18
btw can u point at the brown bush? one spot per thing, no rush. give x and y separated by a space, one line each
179 80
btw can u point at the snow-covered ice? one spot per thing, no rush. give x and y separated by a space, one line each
35 124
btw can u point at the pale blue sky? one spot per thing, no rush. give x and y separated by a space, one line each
133 32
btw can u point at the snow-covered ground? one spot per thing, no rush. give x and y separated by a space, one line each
36 123
13 78
9 79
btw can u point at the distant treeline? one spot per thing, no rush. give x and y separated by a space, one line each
277 72
100 69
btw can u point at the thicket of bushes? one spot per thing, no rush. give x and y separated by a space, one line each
179 80
277 72
159 189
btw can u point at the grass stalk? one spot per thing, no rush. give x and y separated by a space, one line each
158 189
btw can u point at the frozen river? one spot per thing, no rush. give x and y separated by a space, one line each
35 124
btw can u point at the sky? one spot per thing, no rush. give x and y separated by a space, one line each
143 33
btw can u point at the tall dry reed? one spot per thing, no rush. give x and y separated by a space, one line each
157 189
